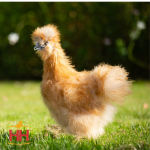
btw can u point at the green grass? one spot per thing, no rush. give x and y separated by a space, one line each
21 101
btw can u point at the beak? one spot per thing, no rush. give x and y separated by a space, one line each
37 47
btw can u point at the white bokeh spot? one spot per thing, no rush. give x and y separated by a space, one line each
13 38
141 25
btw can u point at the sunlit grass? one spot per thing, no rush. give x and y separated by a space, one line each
21 101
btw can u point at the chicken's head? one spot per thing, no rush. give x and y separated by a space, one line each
45 39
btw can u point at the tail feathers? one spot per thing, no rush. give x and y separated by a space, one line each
114 82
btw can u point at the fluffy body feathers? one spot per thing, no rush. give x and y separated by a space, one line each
79 101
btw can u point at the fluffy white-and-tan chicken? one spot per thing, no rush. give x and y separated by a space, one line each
81 102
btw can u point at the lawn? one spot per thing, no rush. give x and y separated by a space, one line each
21 101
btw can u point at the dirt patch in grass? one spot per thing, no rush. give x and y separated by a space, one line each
54 130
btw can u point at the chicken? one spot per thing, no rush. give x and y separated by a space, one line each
81 102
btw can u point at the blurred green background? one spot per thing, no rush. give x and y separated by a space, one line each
116 33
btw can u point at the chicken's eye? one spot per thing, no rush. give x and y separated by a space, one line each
46 43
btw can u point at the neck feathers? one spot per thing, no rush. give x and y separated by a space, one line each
58 66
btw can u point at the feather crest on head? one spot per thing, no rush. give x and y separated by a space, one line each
46 33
